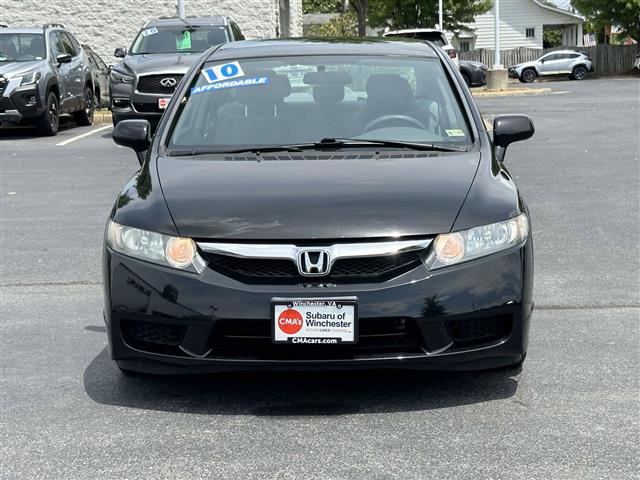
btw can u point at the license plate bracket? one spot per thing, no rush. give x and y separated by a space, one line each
314 321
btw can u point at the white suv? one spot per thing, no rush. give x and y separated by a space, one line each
575 64
430 34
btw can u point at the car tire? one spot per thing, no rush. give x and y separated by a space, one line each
528 75
467 80
579 73
84 117
49 123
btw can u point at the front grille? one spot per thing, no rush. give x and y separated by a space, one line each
260 270
152 83
479 330
251 339
6 104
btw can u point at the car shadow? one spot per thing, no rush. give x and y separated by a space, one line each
12 132
286 394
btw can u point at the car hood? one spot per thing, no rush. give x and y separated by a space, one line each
170 62
11 69
287 199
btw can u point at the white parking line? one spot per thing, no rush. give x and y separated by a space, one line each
83 135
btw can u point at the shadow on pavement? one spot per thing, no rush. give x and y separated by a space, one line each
10 132
294 393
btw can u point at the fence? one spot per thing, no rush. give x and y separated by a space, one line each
607 59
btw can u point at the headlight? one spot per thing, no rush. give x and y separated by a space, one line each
174 252
120 77
457 247
30 77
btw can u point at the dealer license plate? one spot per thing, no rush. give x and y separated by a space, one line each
163 102
315 321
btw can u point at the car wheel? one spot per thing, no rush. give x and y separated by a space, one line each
467 80
528 76
49 122
579 73
84 117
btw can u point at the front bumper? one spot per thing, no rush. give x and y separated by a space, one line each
467 317
126 103
513 73
23 103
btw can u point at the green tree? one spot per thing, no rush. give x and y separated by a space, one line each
322 6
345 25
620 13
398 14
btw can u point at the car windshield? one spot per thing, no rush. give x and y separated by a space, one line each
178 39
293 100
21 47
434 37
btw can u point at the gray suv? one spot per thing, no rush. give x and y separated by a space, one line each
44 73
162 52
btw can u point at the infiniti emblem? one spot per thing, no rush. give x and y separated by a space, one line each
314 262
168 82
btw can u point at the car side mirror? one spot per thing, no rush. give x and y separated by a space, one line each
63 58
508 129
135 134
120 52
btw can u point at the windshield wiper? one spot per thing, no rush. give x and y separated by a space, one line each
325 143
341 142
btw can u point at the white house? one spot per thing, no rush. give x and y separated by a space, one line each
522 23
105 25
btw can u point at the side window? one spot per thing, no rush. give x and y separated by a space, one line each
237 34
56 45
98 61
68 45
74 42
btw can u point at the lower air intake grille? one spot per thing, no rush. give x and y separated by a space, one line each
157 333
480 330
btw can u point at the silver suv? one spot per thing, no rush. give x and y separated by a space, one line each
44 72
569 62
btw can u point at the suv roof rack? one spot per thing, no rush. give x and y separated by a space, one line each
52 25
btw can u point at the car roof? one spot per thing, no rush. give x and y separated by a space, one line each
564 51
21 30
414 30
315 46
175 21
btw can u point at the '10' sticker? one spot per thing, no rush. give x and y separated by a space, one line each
223 71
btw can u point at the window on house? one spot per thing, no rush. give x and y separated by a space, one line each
465 46
531 33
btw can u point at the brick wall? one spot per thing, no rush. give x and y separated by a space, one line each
107 24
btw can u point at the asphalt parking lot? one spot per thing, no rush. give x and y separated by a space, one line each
573 412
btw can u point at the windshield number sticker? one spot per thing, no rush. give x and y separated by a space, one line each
241 82
456 132
149 31
224 71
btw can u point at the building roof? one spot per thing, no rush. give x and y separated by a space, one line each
557 9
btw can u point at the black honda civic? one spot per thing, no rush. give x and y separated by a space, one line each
314 204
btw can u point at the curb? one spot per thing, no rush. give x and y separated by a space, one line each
510 92
102 117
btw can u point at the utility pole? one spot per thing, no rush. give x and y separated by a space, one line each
440 25
497 64
181 13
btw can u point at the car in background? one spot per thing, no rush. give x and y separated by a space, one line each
432 35
474 73
100 72
44 73
273 229
162 52
567 62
